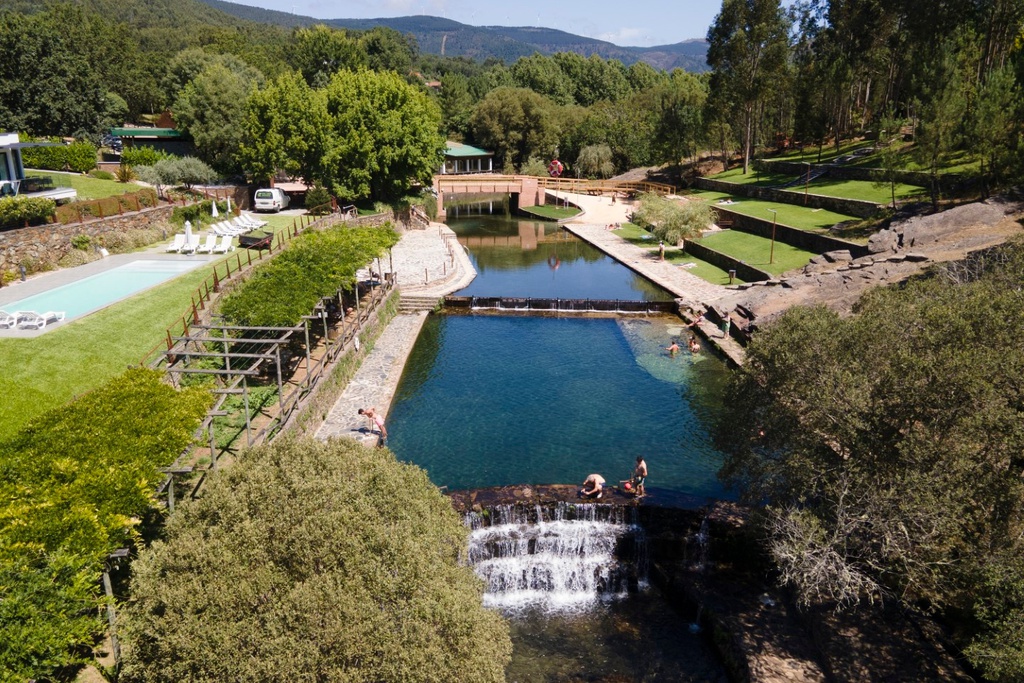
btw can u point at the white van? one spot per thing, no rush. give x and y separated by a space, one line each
271 199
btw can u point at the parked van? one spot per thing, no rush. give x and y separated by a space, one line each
271 199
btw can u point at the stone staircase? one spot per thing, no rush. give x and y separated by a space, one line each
413 303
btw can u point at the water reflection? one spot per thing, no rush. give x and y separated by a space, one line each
528 258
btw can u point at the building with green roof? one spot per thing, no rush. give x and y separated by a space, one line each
460 158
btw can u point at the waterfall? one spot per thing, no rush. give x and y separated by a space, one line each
560 558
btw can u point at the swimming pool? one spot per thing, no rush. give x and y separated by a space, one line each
84 296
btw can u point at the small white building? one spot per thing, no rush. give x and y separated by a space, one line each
15 182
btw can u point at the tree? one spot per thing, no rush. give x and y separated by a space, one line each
383 135
456 105
319 51
543 75
212 108
46 88
595 161
942 116
680 103
388 50
285 128
516 123
995 128
880 479
890 157
747 49
317 560
671 220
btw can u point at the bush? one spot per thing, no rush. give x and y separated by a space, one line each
75 481
77 257
535 167
78 157
197 213
16 212
101 175
81 242
120 242
125 173
672 221
312 561
318 201
316 265
142 156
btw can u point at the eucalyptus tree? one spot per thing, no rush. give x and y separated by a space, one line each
748 48
679 103
516 123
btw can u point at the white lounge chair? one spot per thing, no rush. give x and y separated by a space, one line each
208 245
225 245
8 320
38 320
252 220
178 244
191 245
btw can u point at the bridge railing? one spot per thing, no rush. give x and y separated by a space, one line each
573 185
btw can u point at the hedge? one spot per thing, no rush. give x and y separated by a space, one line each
78 157
198 212
107 206
17 212
142 156
72 485
316 265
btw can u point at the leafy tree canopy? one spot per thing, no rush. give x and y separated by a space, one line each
312 560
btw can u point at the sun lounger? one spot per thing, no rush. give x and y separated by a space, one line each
178 244
38 321
8 320
239 225
191 245
250 219
225 245
208 245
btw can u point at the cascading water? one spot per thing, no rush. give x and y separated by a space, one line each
561 558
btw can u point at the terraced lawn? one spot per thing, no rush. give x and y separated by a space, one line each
756 251
634 234
814 220
87 186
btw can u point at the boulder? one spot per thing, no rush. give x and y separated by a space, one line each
838 255
883 241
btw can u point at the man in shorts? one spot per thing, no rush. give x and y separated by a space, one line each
640 476
375 419
593 485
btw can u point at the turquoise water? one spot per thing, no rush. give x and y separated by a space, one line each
493 400
529 258
94 292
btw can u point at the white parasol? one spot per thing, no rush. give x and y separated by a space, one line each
188 232
213 208
228 200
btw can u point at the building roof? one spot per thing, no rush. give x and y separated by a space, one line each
146 132
457 149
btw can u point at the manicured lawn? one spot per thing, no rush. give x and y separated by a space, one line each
555 213
815 220
40 374
828 152
87 186
634 234
702 269
864 190
754 178
755 251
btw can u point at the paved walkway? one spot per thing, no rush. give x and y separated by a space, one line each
427 262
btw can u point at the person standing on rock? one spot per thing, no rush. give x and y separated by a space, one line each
726 324
661 250
640 476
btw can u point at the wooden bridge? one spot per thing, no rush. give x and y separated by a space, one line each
532 190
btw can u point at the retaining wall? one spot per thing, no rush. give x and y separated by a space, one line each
743 270
850 207
795 237
42 246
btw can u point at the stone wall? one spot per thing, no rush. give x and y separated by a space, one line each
725 262
41 247
803 239
850 207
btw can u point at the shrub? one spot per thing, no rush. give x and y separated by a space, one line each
101 175
79 157
81 242
16 212
77 257
318 201
75 480
535 167
672 221
119 242
352 574
142 156
316 265
125 173
197 213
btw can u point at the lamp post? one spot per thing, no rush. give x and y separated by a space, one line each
771 256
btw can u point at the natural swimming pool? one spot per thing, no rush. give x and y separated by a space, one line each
92 293
494 400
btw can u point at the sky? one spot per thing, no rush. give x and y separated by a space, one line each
642 23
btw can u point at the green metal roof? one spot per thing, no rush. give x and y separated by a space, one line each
146 132
457 149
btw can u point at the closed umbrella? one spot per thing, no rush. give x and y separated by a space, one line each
188 232
228 200
213 209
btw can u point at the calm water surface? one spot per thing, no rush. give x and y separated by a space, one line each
495 400
526 258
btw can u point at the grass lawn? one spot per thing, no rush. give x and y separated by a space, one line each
40 374
87 186
755 251
735 175
634 234
864 190
828 152
555 213
815 220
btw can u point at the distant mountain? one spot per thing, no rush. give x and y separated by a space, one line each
436 35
